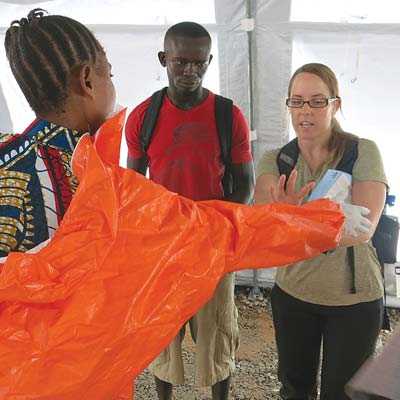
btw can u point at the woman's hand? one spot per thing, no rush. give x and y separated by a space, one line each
280 195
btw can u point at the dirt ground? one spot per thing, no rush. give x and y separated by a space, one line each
256 360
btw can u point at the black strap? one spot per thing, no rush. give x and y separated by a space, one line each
349 157
352 263
289 154
346 164
223 120
224 123
150 118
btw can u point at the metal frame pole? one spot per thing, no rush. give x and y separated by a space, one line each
255 292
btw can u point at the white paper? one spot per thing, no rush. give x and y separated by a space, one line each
334 185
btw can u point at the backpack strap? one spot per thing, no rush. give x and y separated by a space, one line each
223 120
288 155
346 164
224 123
287 158
150 118
349 157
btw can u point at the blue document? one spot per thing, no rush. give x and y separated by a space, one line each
334 185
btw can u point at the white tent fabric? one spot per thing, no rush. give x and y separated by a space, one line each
130 31
287 34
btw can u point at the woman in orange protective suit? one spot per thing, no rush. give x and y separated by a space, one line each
131 262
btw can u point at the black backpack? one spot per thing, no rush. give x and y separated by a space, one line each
223 118
386 234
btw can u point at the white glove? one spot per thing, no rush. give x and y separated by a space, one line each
356 221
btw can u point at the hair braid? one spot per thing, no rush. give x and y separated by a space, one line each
42 51
21 74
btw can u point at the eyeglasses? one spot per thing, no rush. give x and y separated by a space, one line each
319 102
182 63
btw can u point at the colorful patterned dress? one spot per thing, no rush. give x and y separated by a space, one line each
36 184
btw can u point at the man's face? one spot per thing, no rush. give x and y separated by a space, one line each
186 60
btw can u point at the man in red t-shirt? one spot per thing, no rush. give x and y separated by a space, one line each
184 155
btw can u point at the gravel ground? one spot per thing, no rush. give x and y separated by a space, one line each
256 361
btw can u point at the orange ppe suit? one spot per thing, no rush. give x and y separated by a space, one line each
129 265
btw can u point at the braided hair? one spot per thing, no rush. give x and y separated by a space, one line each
43 51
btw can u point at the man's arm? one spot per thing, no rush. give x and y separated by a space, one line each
243 183
137 158
242 168
138 164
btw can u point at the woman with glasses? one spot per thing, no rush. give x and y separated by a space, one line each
317 301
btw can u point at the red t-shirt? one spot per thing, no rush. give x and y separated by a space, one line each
184 152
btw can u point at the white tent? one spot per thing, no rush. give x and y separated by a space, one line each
256 44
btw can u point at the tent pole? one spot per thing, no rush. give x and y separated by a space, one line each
249 14
255 292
